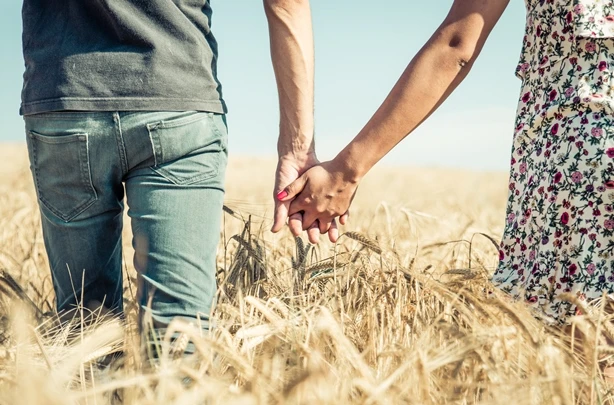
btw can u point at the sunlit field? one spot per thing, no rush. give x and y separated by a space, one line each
400 310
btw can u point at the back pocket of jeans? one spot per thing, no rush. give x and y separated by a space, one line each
61 171
187 148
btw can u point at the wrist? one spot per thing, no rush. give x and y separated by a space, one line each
296 151
300 159
350 165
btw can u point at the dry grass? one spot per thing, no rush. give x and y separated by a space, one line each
399 311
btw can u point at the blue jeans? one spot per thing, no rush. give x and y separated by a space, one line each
173 166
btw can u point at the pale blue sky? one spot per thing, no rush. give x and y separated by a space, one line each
362 47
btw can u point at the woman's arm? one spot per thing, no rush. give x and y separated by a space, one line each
326 191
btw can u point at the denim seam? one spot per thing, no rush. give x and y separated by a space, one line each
121 145
179 122
204 176
154 147
219 133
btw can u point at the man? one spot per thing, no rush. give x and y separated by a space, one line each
123 97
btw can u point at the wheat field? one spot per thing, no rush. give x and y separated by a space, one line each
398 311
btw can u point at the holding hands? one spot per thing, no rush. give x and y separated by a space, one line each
315 199
311 195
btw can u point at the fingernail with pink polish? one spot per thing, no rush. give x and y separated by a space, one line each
282 194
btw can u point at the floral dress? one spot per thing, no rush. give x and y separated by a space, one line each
559 229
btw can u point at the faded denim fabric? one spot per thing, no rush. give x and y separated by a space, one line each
170 166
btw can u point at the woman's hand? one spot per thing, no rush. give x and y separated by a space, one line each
289 168
322 194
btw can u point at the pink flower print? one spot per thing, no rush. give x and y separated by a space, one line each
526 97
590 269
555 128
609 184
524 67
569 91
553 94
573 60
565 218
603 65
572 269
523 167
511 217
578 9
590 47
610 153
557 177
592 236
501 255
608 208
576 177
597 132
596 212
609 224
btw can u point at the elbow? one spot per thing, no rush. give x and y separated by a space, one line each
456 52
463 51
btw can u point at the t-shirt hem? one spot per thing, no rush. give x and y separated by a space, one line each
122 104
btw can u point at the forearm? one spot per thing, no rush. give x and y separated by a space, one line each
439 67
292 54
426 83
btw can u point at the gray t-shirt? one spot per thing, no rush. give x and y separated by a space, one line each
119 55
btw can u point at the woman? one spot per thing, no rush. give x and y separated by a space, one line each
559 228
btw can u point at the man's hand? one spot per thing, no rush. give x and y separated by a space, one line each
288 170
321 194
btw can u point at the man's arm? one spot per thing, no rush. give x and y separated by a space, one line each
292 54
